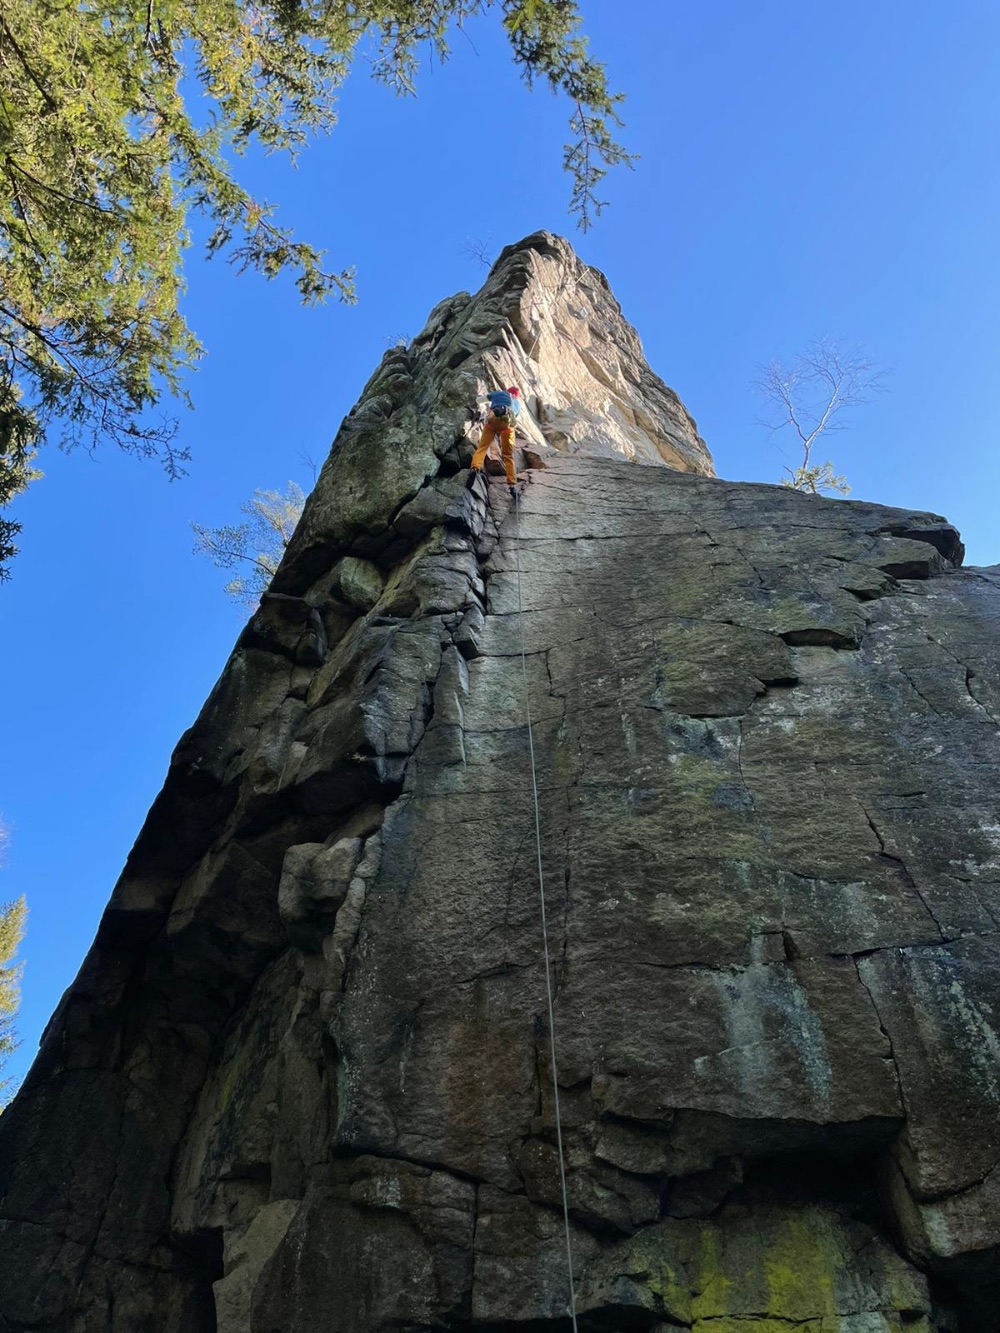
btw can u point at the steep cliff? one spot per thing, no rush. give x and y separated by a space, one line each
302 1081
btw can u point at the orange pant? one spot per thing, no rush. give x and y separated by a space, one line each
491 430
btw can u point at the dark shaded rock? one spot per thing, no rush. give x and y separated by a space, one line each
929 528
599 1197
321 1273
701 1194
444 503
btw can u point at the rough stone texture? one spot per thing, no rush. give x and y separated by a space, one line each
357 582
302 1081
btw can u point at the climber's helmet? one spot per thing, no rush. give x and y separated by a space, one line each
514 390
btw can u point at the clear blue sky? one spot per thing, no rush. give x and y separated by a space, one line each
806 170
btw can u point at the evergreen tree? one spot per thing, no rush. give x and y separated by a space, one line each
105 148
12 923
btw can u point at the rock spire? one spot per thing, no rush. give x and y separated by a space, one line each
301 1082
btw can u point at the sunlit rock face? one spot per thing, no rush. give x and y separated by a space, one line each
303 1079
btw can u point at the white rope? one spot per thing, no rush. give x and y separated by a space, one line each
545 929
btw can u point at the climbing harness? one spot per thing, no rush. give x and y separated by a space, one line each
545 930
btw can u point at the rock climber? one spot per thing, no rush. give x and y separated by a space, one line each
505 405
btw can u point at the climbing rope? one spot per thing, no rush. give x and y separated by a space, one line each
545 929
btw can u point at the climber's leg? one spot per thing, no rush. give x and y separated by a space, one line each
485 440
507 450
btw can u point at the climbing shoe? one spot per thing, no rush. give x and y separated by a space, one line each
473 474
513 492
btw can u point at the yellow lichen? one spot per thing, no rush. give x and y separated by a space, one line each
657 1260
799 1268
713 1284
768 1271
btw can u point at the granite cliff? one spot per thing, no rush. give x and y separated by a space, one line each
301 1082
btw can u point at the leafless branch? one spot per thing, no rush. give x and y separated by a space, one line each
807 395
478 248
310 463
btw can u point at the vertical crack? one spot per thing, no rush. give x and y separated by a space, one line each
908 879
564 952
919 693
739 760
885 1033
968 676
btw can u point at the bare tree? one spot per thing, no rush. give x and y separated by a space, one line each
310 463
807 396
477 248
256 545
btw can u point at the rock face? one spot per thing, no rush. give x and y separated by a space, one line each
302 1082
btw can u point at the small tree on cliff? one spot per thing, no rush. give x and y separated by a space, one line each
254 547
106 146
807 396
12 921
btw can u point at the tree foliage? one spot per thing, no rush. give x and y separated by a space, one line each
12 922
254 547
806 397
118 118
17 452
